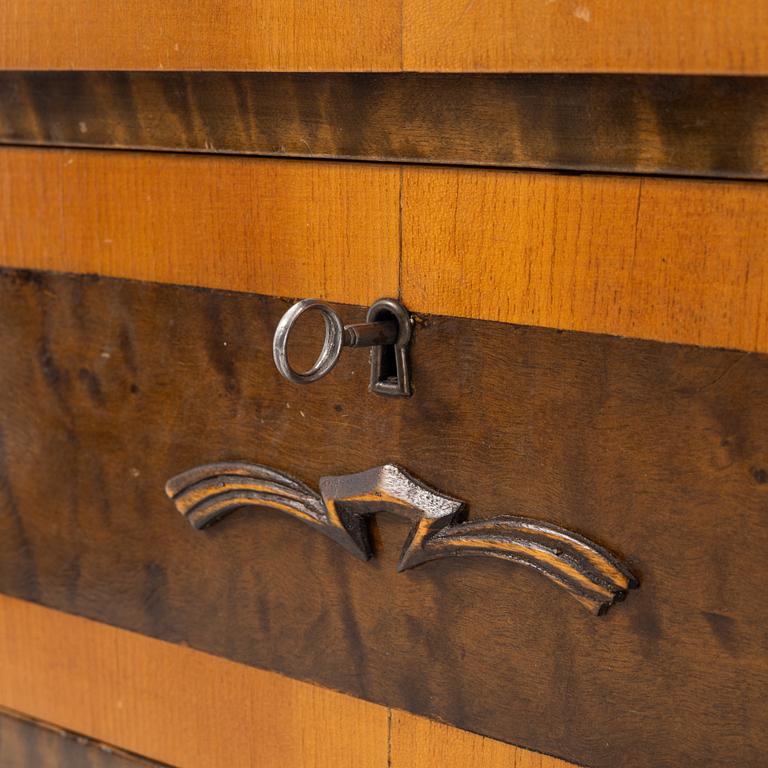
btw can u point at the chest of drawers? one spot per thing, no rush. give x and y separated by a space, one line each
577 230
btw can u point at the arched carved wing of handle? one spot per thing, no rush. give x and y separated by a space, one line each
207 493
588 572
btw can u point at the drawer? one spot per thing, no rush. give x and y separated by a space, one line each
655 452
530 532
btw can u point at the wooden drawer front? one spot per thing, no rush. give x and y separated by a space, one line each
656 451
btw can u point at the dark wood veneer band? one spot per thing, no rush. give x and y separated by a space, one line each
657 451
674 125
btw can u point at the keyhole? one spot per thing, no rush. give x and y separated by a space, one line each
388 359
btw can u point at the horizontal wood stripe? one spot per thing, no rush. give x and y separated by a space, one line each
700 126
273 227
26 743
657 259
678 261
200 34
687 36
690 36
174 704
657 452
192 709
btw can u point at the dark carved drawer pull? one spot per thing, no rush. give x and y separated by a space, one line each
588 572
387 330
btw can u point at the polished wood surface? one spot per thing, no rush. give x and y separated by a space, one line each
690 36
687 36
108 392
671 260
200 34
661 259
686 126
281 228
26 743
191 709
657 452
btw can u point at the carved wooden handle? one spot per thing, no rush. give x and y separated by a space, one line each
588 572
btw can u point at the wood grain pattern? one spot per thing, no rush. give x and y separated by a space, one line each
93 678
174 704
437 35
418 743
274 227
656 259
678 261
657 451
700 126
32 744
685 36
200 34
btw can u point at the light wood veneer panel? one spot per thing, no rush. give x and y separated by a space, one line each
236 35
678 261
277 227
685 36
187 708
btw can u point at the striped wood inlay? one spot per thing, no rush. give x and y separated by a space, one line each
191 709
682 126
671 260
